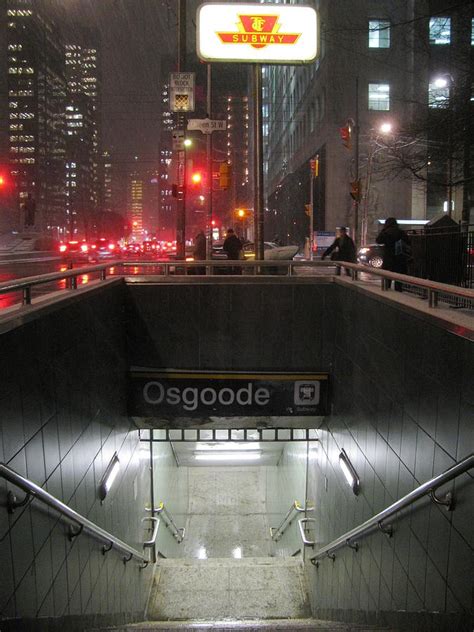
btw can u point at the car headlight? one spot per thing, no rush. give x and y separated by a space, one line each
363 251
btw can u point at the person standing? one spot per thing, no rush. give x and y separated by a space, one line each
342 248
232 247
396 249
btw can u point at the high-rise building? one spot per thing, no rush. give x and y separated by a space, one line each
83 136
135 205
394 71
36 100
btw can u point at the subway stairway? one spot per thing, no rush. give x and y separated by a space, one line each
123 505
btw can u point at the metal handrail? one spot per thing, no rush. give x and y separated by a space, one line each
433 288
84 525
277 532
178 533
301 523
350 538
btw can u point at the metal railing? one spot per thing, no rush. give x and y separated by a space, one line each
33 491
277 532
435 292
351 538
301 525
178 533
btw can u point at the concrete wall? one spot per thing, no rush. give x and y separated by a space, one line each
403 412
63 415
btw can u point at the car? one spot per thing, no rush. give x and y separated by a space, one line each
272 251
104 249
74 250
371 255
132 250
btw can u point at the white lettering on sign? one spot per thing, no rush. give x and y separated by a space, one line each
155 393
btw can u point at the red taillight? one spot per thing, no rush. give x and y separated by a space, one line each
62 248
111 246
173 247
84 247
93 247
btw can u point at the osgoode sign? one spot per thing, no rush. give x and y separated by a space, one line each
197 394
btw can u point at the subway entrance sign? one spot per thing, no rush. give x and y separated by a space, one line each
171 394
257 33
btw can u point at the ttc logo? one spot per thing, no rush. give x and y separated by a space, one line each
307 393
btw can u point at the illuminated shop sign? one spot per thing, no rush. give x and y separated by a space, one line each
256 33
158 393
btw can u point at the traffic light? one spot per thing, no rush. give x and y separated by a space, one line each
225 175
240 213
346 135
196 178
355 190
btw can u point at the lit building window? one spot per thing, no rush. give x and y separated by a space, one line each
379 96
472 31
438 96
440 31
379 34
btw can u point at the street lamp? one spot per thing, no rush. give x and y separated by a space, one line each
383 130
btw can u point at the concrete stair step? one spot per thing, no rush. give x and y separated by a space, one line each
220 589
268 625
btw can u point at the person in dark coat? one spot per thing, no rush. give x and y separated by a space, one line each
199 251
342 248
232 247
396 249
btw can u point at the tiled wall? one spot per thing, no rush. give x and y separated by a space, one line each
231 326
286 482
63 415
403 412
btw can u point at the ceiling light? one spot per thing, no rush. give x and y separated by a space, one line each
222 447
228 456
349 472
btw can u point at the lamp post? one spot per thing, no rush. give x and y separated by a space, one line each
446 82
384 129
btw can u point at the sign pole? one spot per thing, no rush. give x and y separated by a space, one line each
181 124
209 170
258 164
311 212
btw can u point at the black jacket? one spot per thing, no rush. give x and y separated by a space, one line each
393 259
346 250
232 247
200 247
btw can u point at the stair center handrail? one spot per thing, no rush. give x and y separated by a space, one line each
178 533
84 525
429 488
277 532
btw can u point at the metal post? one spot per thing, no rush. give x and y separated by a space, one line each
356 161
152 488
209 170
181 124
311 212
258 164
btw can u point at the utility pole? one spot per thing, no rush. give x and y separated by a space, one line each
209 168
181 124
258 163
356 160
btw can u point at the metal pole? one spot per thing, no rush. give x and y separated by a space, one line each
356 161
311 213
209 169
181 124
258 164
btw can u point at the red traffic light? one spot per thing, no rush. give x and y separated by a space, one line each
196 177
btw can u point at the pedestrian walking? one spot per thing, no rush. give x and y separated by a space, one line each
342 248
396 250
232 247
199 251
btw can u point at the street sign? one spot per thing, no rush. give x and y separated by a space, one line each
206 126
178 140
182 91
257 33
200 394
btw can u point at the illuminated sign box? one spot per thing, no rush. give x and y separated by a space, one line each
257 33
